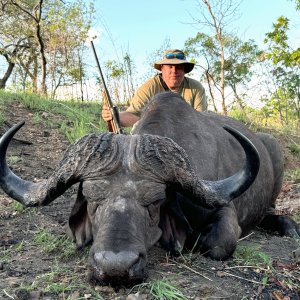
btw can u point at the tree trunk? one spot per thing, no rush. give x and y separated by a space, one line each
7 74
218 31
41 46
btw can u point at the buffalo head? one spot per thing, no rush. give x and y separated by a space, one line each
122 184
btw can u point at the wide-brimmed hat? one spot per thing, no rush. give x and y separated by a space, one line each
174 57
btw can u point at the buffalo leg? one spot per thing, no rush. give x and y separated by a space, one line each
283 224
219 238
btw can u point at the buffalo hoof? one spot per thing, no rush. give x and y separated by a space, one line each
283 224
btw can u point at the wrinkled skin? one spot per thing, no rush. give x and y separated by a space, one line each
140 189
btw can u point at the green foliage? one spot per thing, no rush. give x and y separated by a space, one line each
284 103
279 49
116 70
120 77
54 34
235 64
251 256
5 98
161 290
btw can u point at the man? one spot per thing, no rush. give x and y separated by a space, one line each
173 68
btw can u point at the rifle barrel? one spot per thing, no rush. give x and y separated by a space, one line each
114 124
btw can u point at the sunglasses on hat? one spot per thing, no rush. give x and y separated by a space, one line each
175 55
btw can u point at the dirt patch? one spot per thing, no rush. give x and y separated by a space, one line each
28 271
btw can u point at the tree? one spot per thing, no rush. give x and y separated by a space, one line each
120 77
228 59
286 62
155 56
13 43
10 53
33 11
54 31
279 51
67 29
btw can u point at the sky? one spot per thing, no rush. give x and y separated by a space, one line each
141 27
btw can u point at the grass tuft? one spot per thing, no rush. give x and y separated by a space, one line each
251 256
161 289
50 243
294 148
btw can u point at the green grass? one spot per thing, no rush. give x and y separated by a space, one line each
161 290
7 254
251 256
50 243
75 118
62 281
292 175
13 160
294 148
18 207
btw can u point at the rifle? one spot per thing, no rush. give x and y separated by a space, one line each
114 124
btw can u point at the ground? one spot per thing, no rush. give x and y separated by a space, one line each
29 269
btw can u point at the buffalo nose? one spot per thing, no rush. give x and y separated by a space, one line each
114 264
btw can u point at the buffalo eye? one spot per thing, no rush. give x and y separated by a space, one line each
154 211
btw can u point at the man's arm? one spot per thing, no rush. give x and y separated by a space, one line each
200 100
127 119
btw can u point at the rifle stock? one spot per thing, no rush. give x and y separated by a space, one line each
114 124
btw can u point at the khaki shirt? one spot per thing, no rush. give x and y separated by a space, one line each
191 90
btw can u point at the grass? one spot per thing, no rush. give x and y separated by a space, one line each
18 207
6 254
14 160
51 243
269 271
161 289
63 282
294 148
75 118
251 256
292 175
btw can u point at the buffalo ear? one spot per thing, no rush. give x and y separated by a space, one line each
79 222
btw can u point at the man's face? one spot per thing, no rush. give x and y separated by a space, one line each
173 75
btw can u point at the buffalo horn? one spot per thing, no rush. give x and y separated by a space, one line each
11 184
221 192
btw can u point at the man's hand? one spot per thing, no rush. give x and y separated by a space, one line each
106 113
127 119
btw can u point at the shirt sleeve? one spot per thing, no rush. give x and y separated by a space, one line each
200 103
198 95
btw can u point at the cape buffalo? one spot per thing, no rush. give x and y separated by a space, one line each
173 180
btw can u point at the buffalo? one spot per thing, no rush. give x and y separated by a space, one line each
187 179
